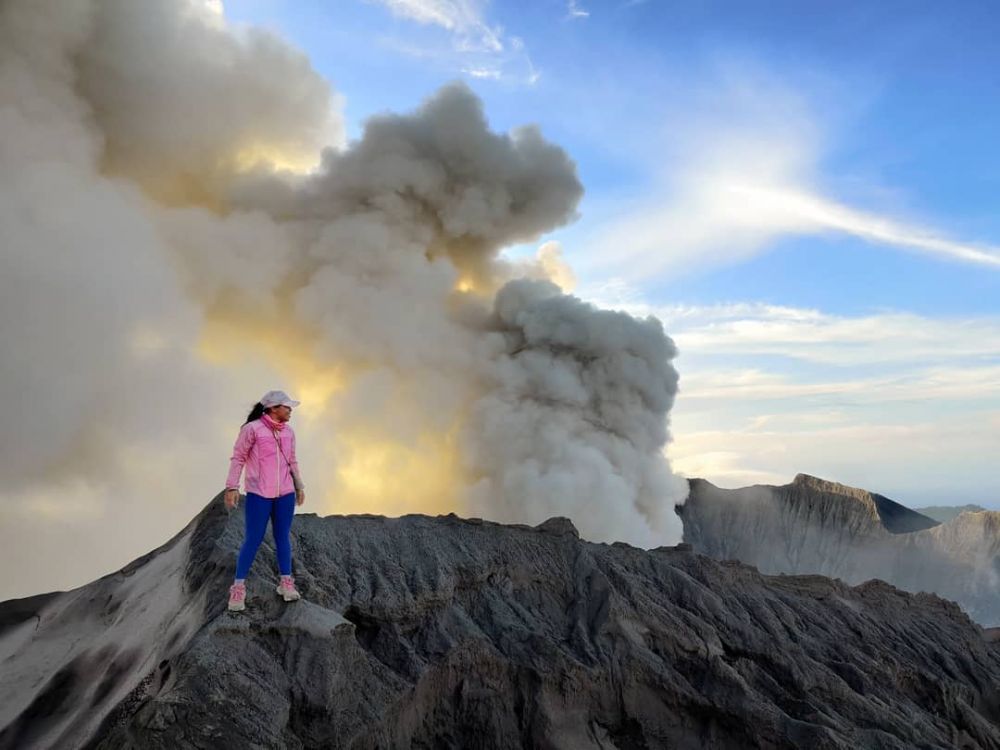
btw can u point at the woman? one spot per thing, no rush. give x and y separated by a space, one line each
266 446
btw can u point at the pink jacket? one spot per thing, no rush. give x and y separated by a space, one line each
269 470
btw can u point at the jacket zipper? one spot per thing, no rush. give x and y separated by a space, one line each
277 457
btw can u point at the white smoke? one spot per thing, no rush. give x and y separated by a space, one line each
183 103
159 268
576 415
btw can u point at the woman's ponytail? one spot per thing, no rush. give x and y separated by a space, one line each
255 413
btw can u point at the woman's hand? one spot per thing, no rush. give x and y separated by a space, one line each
231 498
300 496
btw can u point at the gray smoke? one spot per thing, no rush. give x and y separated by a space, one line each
184 104
576 415
159 268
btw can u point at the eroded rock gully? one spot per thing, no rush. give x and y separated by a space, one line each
442 632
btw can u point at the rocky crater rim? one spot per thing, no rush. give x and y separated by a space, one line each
808 481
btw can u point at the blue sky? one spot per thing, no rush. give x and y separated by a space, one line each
803 192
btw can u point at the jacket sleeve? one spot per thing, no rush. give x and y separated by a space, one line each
240 451
293 463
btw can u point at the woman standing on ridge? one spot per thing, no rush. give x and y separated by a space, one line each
266 446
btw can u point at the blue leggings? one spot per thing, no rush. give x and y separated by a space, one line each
257 511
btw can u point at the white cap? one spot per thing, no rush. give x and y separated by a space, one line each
277 398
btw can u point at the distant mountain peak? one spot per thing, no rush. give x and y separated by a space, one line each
813 525
895 517
944 513
827 485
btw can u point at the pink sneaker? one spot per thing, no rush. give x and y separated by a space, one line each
237 597
286 589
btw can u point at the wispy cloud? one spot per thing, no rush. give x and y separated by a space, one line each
463 17
744 330
812 336
900 403
952 384
472 46
747 172
491 73
795 210
573 10
940 459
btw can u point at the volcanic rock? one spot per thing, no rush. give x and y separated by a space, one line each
816 526
450 633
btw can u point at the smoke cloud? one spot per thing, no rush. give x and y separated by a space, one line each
183 228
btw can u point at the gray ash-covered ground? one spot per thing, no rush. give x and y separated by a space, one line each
444 632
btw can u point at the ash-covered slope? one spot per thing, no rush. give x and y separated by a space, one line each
816 526
463 633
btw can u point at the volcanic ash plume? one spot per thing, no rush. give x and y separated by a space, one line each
166 257
574 422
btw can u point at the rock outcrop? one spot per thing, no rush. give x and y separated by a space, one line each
451 633
815 526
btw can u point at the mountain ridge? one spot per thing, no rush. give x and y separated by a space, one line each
449 632
942 513
816 526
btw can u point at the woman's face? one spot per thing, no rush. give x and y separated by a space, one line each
281 413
